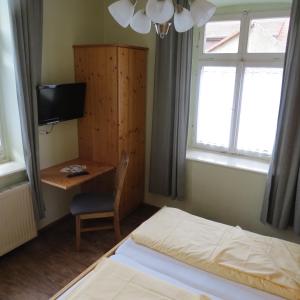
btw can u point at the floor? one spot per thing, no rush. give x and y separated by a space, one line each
41 267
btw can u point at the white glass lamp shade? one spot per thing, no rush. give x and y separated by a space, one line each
183 20
160 11
122 11
202 11
140 22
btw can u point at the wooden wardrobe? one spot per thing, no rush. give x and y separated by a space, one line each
114 118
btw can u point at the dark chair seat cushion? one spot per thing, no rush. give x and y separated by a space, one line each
91 203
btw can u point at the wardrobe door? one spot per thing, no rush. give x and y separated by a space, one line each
132 64
98 129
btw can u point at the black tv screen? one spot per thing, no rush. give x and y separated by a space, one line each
60 102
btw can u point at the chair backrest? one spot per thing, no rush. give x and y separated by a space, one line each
119 180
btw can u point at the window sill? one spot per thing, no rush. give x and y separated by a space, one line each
10 168
230 161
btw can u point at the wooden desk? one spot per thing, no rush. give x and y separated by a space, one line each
54 177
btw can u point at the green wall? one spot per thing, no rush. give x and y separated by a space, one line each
66 22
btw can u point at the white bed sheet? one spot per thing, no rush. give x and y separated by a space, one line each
131 263
190 276
73 287
180 274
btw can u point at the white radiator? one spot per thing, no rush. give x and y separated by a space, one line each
17 224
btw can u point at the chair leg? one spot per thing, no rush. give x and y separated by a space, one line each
78 231
117 228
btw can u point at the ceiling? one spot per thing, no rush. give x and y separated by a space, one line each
221 3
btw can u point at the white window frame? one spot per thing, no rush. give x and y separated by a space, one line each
240 60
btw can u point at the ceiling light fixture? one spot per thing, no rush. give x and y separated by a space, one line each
122 11
140 22
160 12
162 29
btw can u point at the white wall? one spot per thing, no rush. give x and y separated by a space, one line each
66 22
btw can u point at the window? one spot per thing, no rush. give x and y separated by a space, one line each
10 130
224 41
237 83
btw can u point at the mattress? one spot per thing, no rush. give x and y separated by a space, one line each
126 261
190 276
180 274
112 280
258 261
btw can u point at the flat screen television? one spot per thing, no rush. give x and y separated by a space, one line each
60 102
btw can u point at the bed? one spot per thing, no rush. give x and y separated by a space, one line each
172 272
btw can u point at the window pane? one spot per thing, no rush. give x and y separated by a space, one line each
215 105
259 110
222 37
268 35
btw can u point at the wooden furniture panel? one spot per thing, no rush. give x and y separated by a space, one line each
85 139
114 120
139 121
132 92
123 116
98 130
54 177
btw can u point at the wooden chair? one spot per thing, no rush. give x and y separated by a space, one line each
87 206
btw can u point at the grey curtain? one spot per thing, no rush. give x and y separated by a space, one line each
170 113
26 22
281 206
